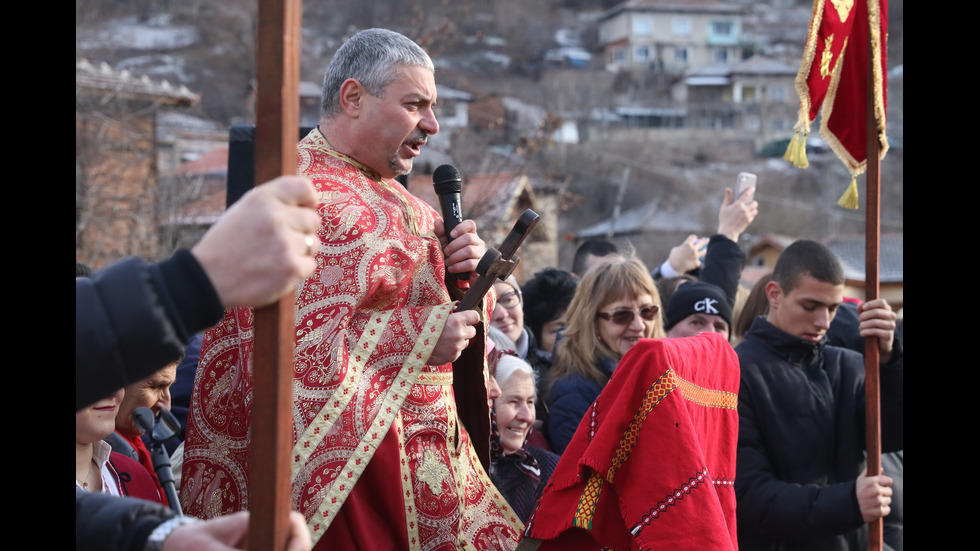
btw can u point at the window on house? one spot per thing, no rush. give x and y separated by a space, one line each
680 26
749 93
643 25
722 28
777 94
721 55
641 54
680 55
619 55
752 123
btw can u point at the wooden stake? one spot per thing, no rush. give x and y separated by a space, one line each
276 129
871 285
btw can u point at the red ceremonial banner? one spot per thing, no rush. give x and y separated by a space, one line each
833 81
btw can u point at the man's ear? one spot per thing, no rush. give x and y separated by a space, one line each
774 292
351 97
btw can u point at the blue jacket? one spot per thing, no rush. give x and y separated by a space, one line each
568 402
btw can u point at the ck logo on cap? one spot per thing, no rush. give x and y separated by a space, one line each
706 305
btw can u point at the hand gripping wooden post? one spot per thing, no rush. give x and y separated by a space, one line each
872 242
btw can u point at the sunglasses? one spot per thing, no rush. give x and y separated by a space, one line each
626 317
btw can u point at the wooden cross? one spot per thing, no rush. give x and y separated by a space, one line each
498 265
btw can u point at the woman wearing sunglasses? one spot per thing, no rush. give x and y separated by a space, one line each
615 305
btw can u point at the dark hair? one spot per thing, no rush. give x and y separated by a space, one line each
546 297
757 304
82 269
667 285
594 247
805 257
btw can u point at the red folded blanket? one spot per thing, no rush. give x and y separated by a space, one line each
652 463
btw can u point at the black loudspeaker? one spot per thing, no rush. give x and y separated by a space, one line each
241 160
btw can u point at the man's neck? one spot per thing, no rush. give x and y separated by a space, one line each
334 131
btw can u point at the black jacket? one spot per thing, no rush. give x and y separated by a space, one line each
133 318
569 401
801 440
723 265
111 523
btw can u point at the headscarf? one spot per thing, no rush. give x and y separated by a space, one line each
526 462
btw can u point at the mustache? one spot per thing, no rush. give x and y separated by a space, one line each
419 137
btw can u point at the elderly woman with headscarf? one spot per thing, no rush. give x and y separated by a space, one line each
519 470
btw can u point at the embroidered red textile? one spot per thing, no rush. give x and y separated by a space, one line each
367 321
651 465
834 75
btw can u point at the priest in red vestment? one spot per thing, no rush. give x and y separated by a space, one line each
651 465
381 459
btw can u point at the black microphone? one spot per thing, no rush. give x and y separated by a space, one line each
159 433
448 185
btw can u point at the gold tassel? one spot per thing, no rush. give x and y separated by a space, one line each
796 150
850 198
801 160
790 154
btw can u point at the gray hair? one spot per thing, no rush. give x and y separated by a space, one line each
500 341
508 365
371 57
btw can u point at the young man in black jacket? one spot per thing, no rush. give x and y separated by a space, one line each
801 481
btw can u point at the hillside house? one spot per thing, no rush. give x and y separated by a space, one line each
756 96
670 35
118 202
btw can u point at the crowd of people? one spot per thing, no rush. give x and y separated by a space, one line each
603 384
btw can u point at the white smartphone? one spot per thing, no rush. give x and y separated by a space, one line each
743 181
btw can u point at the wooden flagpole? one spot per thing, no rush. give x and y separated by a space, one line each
276 130
871 286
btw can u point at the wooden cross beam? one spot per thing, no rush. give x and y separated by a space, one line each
497 265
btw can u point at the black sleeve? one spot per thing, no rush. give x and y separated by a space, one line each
132 318
112 523
891 377
770 508
723 264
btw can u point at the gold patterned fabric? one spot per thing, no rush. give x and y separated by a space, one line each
367 321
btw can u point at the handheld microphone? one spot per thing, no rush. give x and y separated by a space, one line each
448 185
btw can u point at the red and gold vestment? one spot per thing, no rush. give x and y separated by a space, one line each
376 430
